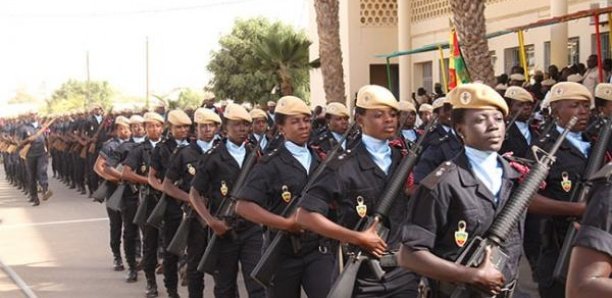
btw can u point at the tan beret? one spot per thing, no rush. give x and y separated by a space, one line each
178 117
135 119
406 106
96 106
575 78
291 105
258 113
519 94
122 120
477 96
425 108
271 103
604 91
236 112
548 82
439 102
152 117
570 90
208 95
376 97
501 87
204 115
337 109
517 77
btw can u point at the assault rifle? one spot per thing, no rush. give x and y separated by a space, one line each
227 212
344 284
265 270
474 253
580 194
94 139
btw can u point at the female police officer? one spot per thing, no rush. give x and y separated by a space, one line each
461 197
269 188
354 183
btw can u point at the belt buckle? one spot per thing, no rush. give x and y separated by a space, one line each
323 249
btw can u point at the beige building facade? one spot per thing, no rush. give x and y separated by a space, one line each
373 27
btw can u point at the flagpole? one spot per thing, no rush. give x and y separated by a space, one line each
147 72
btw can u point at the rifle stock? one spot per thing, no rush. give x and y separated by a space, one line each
595 163
115 201
140 218
157 215
179 240
474 253
100 194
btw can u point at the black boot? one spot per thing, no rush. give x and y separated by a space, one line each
132 275
151 290
118 264
173 294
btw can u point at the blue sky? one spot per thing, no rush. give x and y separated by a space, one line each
44 43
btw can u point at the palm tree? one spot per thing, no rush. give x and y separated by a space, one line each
471 29
330 53
284 54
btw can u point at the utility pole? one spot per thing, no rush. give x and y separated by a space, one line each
88 99
147 70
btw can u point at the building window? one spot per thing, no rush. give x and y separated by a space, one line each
573 52
512 57
605 45
426 70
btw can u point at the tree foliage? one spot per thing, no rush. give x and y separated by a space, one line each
241 74
22 96
73 95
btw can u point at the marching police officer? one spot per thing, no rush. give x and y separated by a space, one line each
461 198
337 120
260 129
567 99
354 183
590 265
182 171
268 189
36 159
162 156
240 240
407 128
136 166
122 134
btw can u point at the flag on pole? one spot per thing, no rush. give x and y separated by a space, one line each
456 66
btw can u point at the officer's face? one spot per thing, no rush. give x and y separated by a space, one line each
138 130
379 123
565 109
426 116
237 131
154 130
123 132
207 130
409 119
296 128
444 114
259 125
482 129
606 110
180 131
524 108
338 124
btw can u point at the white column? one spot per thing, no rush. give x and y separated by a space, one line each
558 35
404 43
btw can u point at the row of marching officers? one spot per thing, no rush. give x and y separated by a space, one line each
366 208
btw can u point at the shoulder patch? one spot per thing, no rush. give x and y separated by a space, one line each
433 178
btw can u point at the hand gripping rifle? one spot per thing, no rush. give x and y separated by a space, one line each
265 270
580 194
344 284
474 252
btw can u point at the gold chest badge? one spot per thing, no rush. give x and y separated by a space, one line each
223 188
191 169
566 184
285 195
361 208
461 235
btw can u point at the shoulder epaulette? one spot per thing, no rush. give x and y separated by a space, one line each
438 174
268 156
214 147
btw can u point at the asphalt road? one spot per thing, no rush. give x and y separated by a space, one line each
60 248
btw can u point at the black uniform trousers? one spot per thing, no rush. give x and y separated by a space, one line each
37 174
246 249
172 220
196 245
115 221
130 229
150 240
305 270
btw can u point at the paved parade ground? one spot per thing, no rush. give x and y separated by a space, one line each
60 248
